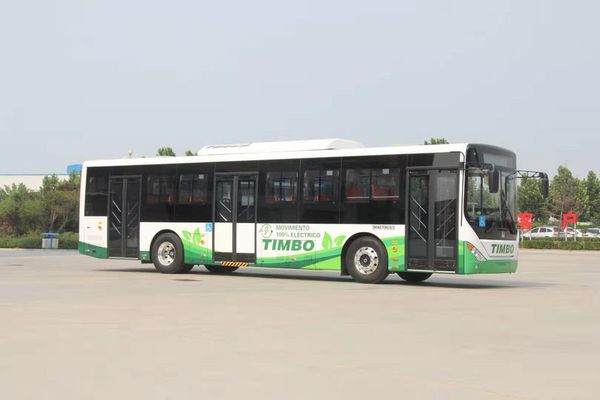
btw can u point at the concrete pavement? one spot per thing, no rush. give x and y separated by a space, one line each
78 327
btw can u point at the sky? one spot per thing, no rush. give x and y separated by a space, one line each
93 79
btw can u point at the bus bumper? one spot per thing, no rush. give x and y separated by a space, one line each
472 265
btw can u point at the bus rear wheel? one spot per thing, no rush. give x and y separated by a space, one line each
366 260
167 254
220 269
414 276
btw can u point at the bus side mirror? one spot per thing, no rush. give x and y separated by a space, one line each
494 178
545 184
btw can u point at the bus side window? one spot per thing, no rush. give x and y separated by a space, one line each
281 187
320 186
277 185
161 189
96 192
186 186
193 189
385 184
373 190
357 184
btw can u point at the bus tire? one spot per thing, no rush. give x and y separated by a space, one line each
187 268
167 254
220 269
414 277
366 260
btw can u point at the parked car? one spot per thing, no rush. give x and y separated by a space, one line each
570 232
541 232
592 233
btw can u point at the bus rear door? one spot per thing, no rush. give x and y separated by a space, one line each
235 218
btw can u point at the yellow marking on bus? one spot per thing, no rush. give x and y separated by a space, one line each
234 264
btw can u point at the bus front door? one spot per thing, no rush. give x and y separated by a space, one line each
431 221
124 216
235 218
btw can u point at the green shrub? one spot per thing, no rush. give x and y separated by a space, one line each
558 244
66 240
21 242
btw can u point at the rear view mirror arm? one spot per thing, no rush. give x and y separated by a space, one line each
533 175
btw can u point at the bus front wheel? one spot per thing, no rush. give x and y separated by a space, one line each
414 276
366 260
167 254
220 269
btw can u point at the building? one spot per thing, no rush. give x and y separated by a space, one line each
34 181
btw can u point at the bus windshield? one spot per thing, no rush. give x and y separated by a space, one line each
492 215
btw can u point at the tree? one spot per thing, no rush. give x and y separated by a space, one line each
436 140
530 198
592 189
55 207
60 201
565 193
165 152
189 153
20 210
582 200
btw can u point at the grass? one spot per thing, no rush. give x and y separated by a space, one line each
66 240
561 244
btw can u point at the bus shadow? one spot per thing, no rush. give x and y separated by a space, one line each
470 284
284 274
441 282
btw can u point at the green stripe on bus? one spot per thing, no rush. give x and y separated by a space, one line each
91 250
145 257
330 259
327 259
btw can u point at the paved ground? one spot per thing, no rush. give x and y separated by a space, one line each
73 327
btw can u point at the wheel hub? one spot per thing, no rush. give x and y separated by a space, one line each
366 260
166 253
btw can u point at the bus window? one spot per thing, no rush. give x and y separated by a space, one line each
224 201
281 187
385 184
357 184
193 189
96 192
321 186
161 189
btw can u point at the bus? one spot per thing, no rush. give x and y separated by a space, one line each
327 204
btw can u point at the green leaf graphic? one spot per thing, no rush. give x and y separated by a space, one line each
187 235
197 236
339 241
327 242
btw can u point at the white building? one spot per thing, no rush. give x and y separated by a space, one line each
35 181
31 181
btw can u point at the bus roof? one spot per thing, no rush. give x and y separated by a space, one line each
282 146
322 148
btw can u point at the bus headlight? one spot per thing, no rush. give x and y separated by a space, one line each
478 255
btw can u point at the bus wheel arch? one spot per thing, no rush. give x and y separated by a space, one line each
348 243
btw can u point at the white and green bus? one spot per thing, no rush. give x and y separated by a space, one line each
316 205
